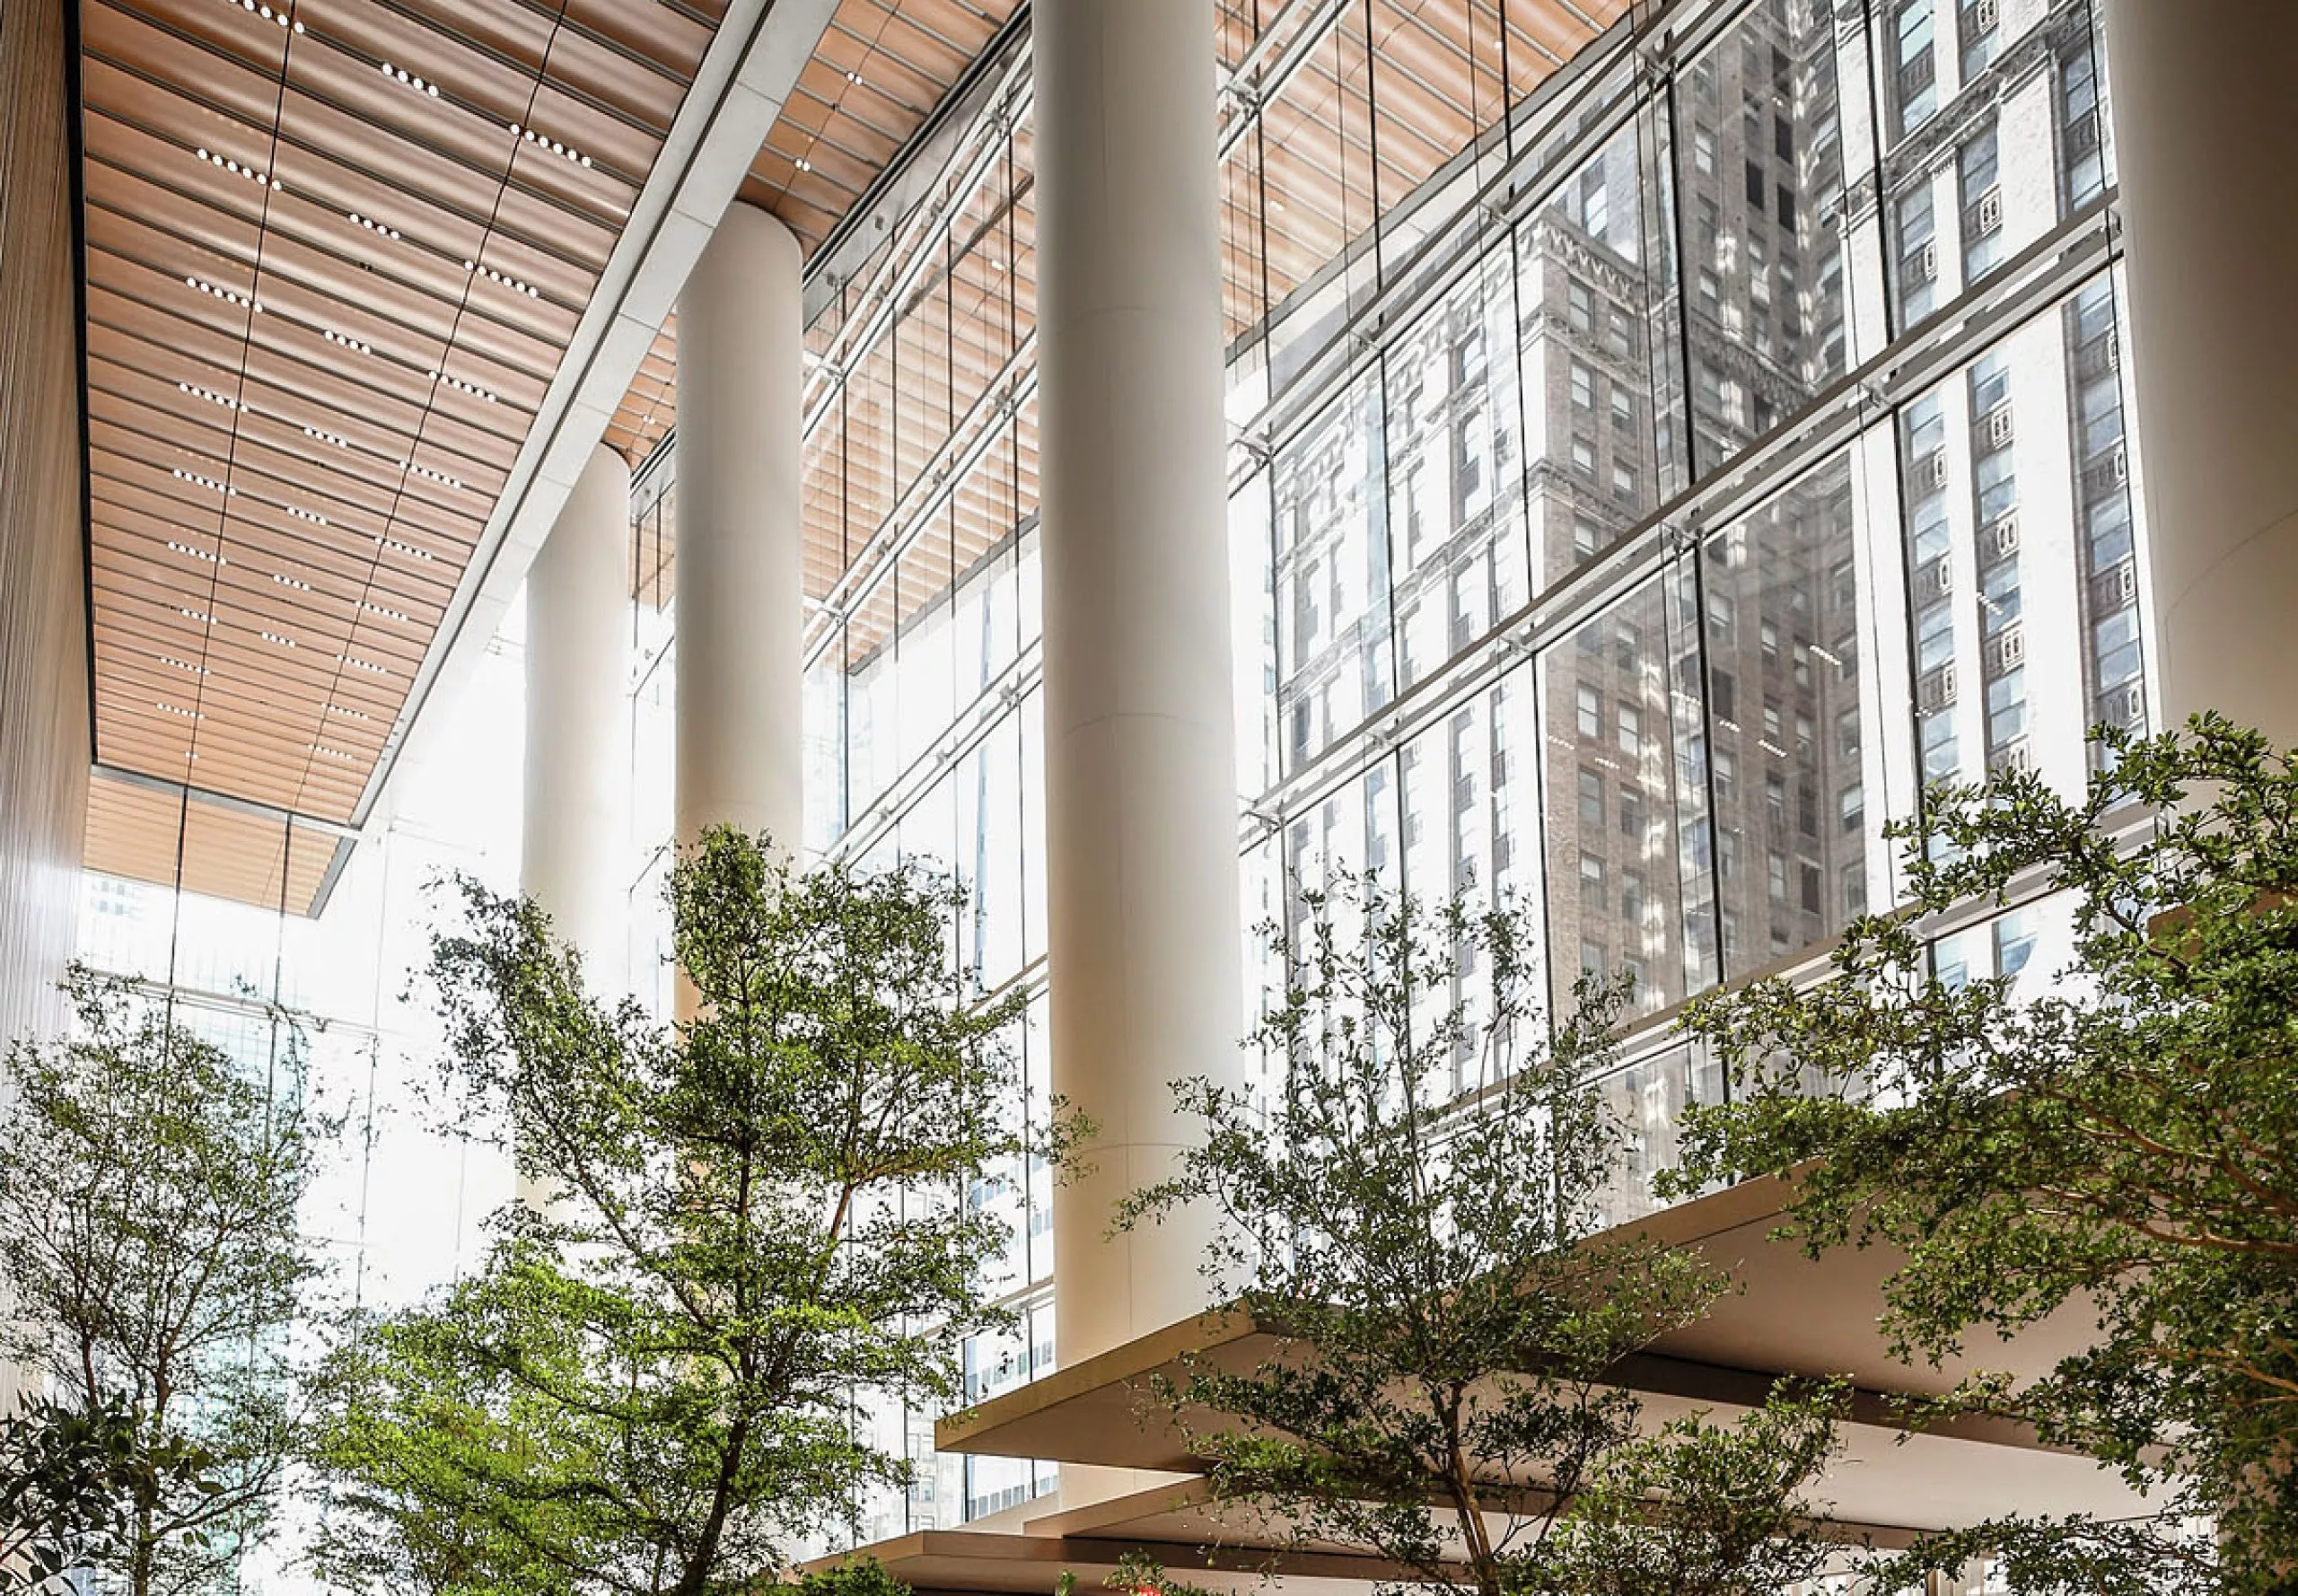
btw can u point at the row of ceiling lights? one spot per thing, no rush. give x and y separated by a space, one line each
360 346
193 669
296 584
384 544
361 220
320 433
203 618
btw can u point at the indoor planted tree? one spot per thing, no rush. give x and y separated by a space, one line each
72 1481
2123 1146
150 1246
760 1218
1413 1210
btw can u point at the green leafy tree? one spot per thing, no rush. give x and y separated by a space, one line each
2123 1146
761 1217
1415 1210
150 1190
72 1481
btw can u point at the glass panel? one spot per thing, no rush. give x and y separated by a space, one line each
2018 547
922 353
1455 478
1317 180
926 652
1759 164
1470 818
1786 655
1591 292
1252 637
988 858
2024 147
1649 1097
1332 577
823 709
1625 799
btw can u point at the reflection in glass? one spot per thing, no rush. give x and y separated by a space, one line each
1455 449
1765 258
1593 291
1621 722
1334 666
1785 657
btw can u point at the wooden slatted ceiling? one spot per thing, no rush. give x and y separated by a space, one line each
881 69
334 257
225 852
1380 103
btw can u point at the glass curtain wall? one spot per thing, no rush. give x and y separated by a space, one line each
1649 467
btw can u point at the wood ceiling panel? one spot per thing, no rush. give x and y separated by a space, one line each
133 831
878 74
419 197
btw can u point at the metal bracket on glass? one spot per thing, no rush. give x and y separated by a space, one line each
1655 52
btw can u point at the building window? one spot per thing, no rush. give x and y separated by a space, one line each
1593 894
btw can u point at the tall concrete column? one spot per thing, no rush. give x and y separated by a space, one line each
577 773
576 767
739 600
1145 957
2207 147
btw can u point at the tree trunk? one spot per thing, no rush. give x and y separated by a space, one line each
140 1561
695 1577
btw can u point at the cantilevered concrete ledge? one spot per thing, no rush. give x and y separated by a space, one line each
1793 1316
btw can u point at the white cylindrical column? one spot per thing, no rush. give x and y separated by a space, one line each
576 775
2206 124
739 604
1145 955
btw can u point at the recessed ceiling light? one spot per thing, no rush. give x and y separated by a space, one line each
356 663
196 480
371 608
269 13
853 77
197 554
372 225
357 714
345 340
805 164
327 437
275 637
262 179
212 397
440 478
189 715
459 386
201 616
171 660
396 547
512 283
403 75
287 581
552 144
332 753
300 514
227 295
